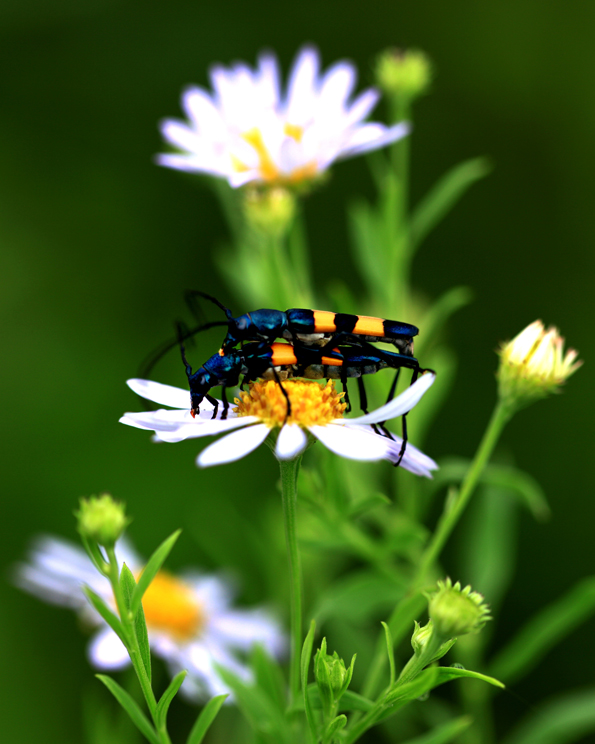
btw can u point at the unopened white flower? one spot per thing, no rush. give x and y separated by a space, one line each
534 364
190 620
248 131
314 408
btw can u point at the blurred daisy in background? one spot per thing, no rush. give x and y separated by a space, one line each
248 131
315 409
190 620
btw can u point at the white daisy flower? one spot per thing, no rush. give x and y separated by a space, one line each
190 620
316 409
248 131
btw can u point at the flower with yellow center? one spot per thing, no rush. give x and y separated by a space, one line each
315 409
247 131
190 620
534 364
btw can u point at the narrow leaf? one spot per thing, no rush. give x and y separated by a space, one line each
562 720
334 727
269 676
545 630
128 584
444 195
205 719
110 618
349 701
153 565
94 554
389 650
446 674
167 697
136 715
443 734
304 668
256 706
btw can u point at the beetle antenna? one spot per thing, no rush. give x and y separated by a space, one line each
192 293
182 334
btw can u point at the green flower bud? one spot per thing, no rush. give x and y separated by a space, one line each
455 611
269 211
405 73
332 676
102 519
533 365
421 636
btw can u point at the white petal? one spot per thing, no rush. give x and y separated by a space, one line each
204 114
353 443
205 428
166 420
400 405
106 651
233 446
290 442
241 629
165 395
337 84
362 106
373 136
180 135
302 87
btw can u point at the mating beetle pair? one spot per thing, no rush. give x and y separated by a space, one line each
316 336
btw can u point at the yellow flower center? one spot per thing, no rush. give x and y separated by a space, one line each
311 404
293 131
266 165
170 605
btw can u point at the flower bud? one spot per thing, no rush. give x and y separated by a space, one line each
533 364
455 611
269 211
424 637
332 676
405 73
102 519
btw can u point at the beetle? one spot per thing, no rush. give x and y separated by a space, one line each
311 327
281 361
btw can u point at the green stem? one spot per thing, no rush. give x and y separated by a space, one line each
453 511
132 646
289 474
448 521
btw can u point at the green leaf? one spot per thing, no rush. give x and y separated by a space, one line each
389 650
153 565
167 697
136 715
357 596
545 630
268 675
488 549
560 721
446 674
423 683
305 659
128 586
94 554
110 618
440 312
334 727
349 701
205 719
443 734
257 707
444 195
453 470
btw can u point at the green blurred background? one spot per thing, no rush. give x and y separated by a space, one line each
98 245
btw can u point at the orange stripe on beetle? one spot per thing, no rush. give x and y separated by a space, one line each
324 322
368 326
283 355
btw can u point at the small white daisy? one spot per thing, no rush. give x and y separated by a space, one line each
190 620
314 408
248 131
